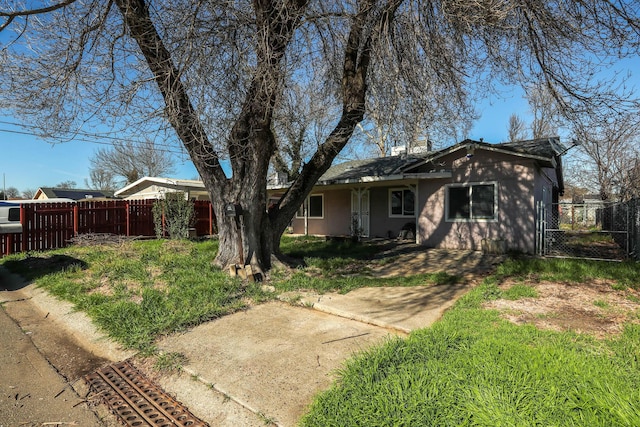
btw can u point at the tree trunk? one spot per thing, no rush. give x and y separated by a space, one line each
262 231
244 239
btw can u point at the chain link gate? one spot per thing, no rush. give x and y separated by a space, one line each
588 230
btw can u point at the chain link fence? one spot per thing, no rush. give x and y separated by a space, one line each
595 230
616 215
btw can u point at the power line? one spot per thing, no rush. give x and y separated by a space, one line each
163 147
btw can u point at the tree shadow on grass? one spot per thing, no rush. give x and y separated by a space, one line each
32 268
336 247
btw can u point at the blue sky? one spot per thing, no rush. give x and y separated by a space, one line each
27 162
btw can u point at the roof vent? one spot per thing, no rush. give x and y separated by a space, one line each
399 150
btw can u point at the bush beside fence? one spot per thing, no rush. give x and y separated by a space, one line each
53 225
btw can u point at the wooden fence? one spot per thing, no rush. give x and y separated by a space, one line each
53 225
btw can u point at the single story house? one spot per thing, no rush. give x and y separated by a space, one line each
155 188
461 197
47 193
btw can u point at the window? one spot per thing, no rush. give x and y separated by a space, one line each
402 203
471 202
314 205
14 214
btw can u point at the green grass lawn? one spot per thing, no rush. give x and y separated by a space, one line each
472 368
475 369
137 291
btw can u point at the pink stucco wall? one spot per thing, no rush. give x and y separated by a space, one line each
516 179
337 215
381 224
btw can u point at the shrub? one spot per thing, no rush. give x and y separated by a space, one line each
173 216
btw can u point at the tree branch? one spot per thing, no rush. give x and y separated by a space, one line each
180 112
37 11
356 63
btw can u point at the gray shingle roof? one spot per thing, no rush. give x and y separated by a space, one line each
74 193
377 167
355 170
543 147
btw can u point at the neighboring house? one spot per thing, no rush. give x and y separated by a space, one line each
583 210
460 197
155 188
46 193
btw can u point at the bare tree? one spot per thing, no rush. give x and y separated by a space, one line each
28 193
394 118
101 179
611 150
67 184
129 161
9 193
214 74
300 124
631 187
517 128
544 108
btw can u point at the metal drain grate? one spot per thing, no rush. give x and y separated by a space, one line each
136 401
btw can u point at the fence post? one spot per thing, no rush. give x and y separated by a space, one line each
128 218
76 219
541 223
9 244
23 220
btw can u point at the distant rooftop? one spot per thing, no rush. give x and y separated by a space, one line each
71 193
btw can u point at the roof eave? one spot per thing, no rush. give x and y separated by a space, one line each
360 180
167 181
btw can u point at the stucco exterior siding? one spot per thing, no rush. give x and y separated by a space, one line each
381 223
337 214
515 209
336 218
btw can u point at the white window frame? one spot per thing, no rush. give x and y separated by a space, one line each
470 186
304 208
415 202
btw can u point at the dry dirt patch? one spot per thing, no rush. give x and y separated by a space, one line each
594 308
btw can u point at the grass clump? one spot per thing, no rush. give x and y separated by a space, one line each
624 274
519 291
473 368
170 361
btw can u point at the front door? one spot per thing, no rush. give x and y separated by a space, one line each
360 211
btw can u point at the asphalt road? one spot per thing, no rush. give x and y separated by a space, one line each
32 393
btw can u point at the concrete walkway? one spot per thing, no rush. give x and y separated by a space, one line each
265 364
